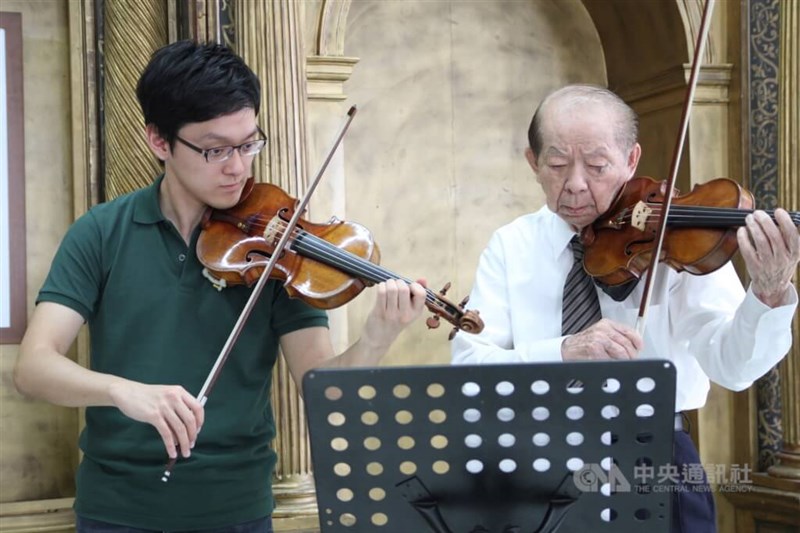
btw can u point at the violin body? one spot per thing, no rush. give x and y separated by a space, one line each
325 265
236 246
701 235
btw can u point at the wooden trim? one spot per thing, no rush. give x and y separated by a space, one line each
11 23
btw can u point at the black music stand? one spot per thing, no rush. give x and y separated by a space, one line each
529 448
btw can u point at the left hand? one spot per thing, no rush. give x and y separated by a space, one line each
396 306
771 251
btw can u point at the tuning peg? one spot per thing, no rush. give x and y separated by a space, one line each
445 289
432 322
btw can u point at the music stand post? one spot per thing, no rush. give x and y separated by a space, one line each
529 448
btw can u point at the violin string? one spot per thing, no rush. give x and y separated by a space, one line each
333 255
715 214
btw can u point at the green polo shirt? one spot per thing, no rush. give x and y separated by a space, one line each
154 318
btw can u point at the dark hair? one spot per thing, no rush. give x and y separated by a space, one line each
188 82
627 122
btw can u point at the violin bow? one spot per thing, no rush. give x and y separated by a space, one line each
699 49
222 358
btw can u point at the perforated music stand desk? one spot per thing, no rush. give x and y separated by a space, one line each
529 448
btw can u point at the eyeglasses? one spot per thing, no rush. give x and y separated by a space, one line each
218 154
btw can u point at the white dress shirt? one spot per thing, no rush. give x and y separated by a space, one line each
706 325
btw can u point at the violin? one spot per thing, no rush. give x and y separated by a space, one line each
700 235
325 265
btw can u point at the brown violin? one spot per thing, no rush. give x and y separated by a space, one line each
325 265
700 235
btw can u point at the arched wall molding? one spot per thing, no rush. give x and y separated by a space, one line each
326 66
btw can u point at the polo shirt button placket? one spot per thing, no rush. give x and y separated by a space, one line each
182 257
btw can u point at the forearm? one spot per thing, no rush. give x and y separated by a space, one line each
45 374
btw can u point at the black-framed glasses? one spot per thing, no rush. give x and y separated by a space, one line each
218 154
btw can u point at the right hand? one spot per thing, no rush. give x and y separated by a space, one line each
176 414
602 340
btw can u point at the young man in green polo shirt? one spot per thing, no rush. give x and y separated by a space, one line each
129 269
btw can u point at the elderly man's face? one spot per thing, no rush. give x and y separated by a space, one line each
581 166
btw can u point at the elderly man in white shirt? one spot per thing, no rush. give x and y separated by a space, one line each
582 150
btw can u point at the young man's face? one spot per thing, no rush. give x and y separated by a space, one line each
581 166
215 184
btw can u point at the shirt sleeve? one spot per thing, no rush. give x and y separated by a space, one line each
76 274
735 337
491 297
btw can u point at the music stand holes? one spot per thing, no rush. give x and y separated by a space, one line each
408 467
504 388
333 393
575 438
645 385
540 414
645 410
644 437
437 416
611 386
609 412
541 439
380 519
574 464
441 467
605 489
506 440
403 417
328 511
473 441
374 469
609 438
377 494
505 414
341 469
366 392
507 465
372 443
472 415
540 387
347 520
642 514
339 444
369 418
574 387
541 465
470 389
401 391
608 515
435 390
336 419
344 495
574 412
606 463
439 442
405 442
474 466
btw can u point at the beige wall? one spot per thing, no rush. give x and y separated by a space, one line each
434 160
38 441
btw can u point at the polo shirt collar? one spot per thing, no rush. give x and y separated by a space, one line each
147 210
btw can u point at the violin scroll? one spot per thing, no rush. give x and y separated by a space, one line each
463 319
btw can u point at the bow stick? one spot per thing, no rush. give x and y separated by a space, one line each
676 158
216 370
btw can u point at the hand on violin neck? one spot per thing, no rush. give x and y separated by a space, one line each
602 340
397 305
771 251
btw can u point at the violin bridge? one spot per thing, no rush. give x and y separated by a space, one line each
218 283
639 215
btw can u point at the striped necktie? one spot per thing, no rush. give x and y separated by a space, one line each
580 308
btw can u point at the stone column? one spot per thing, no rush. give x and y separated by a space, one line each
268 37
128 163
789 172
